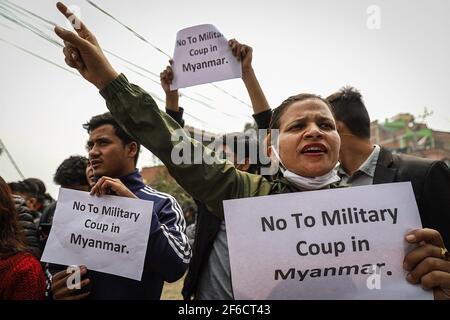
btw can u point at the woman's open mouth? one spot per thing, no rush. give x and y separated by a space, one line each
314 149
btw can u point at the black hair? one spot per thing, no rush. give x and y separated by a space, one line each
12 237
107 118
72 172
281 109
39 184
350 109
28 187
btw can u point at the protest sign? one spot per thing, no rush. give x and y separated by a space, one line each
345 243
107 234
202 55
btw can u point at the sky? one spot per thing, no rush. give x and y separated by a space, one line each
394 51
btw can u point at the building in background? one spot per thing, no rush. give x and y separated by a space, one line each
403 134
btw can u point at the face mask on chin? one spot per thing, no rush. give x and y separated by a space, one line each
306 183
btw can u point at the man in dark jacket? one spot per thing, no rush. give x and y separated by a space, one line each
363 163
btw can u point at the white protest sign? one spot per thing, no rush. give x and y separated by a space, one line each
345 243
202 55
107 234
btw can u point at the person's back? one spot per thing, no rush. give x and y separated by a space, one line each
21 278
26 221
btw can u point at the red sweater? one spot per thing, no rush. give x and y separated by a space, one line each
21 278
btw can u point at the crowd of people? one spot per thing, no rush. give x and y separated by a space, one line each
323 143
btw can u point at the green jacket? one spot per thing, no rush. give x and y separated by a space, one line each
136 111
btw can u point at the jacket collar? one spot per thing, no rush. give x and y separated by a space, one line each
384 173
133 181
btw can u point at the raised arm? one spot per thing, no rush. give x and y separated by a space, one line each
261 108
203 175
210 181
172 106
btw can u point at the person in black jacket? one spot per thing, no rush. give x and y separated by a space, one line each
30 229
29 191
363 163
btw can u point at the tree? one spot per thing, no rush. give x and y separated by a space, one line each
165 183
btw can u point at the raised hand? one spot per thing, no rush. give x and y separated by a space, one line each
166 78
107 185
82 52
242 53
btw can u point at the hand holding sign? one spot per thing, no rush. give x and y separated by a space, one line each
107 234
106 185
427 265
242 53
202 55
348 246
166 78
60 289
82 52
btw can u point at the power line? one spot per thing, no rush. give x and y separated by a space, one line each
154 95
5 26
157 48
14 19
41 34
128 28
11 5
23 24
38 56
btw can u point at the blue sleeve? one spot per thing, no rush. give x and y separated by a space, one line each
169 251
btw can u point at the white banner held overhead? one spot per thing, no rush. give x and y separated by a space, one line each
106 234
202 55
345 243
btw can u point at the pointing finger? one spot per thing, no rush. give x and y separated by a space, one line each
77 24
